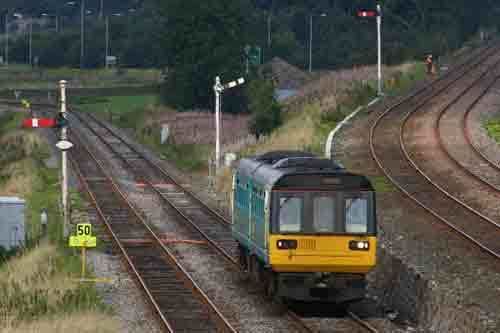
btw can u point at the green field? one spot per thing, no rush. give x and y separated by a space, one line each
118 105
24 77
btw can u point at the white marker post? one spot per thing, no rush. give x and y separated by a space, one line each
218 89
379 42
64 158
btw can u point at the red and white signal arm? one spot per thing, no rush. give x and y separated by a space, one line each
39 123
368 13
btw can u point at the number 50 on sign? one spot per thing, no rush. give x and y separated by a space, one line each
83 236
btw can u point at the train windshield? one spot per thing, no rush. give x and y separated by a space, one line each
325 212
290 218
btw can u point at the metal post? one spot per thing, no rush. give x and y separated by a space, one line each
7 39
57 23
64 159
82 34
101 11
269 29
379 42
107 42
30 44
84 264
218 90
310 41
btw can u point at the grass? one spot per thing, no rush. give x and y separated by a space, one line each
36 290
382 184
117 105
133 112
493 128
37 287
24 77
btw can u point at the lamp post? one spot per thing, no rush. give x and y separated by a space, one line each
30 44
311 38
269 29
7 39
56 20
82 30
82 34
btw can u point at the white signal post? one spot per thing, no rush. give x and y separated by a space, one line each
218 89
64 159
379 45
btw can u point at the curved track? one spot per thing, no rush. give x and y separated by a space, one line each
469 80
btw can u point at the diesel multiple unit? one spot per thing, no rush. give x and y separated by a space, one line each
305 227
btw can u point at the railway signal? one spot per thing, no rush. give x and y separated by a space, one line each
219 89
367 13
376 13
59 122
39 123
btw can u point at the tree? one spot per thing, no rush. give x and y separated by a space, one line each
203 40
266 112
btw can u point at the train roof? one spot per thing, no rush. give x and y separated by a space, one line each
268 169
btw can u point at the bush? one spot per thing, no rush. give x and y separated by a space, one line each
266 112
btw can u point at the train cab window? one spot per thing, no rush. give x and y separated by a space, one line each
324 214
290 214
356 215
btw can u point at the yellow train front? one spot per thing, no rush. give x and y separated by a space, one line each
306 228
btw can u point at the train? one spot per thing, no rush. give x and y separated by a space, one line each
306 228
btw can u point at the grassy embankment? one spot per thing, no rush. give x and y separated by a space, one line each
24 77
309 122
308 126
37 293
493 128
136 113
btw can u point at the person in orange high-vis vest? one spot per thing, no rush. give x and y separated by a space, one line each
428 64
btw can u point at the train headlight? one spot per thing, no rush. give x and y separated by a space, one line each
359 245
285 244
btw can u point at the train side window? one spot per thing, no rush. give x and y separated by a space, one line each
290 214
324 214
356 215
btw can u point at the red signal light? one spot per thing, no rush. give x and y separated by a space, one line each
367 13
39 123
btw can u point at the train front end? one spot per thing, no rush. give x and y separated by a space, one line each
322 241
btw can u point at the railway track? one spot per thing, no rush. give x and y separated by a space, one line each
155 273
179 303
143 173
214 228
463 86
